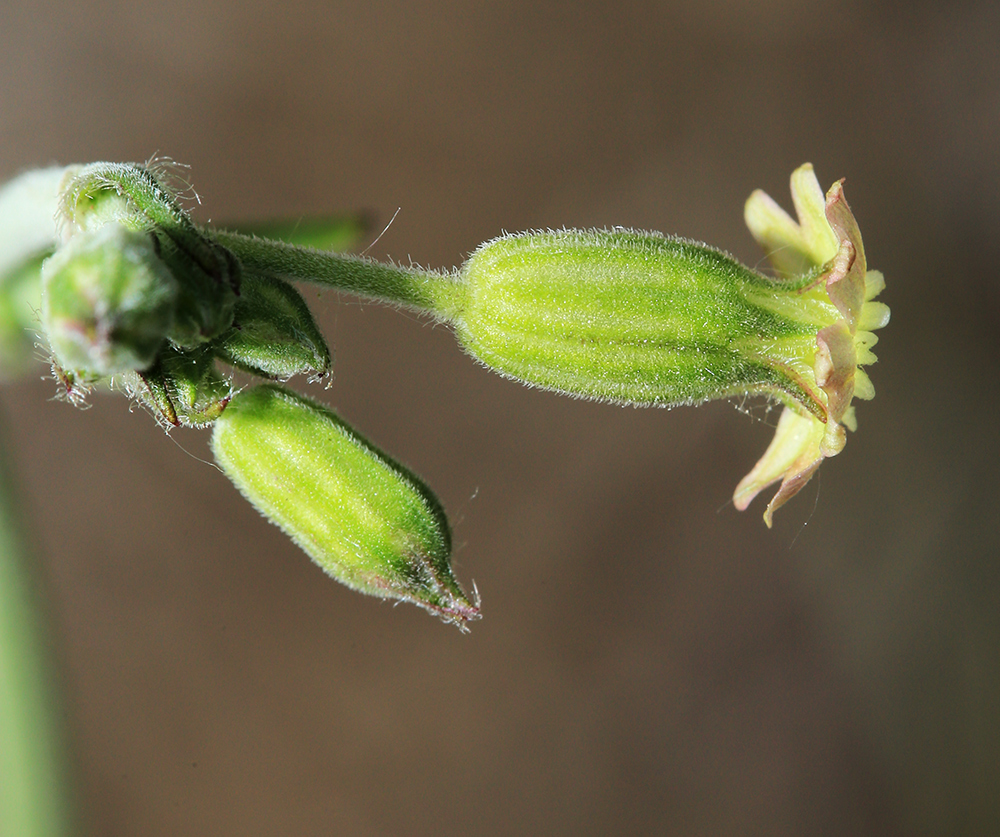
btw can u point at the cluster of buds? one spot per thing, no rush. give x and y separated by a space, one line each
137 293
132 290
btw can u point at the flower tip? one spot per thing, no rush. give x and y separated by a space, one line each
429 582
745 492
827 242
459 610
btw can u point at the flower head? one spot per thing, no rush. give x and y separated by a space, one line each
825 243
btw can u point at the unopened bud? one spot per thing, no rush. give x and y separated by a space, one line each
367 521
182 388
107 301
140 199
273 333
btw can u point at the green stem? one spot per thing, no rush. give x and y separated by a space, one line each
430 291
34 787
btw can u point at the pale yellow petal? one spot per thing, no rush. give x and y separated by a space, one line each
796 443
810 204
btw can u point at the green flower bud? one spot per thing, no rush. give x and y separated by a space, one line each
207 297
107 302
140 199
364 519
182 388
274 333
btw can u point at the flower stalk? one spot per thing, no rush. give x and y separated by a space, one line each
432 292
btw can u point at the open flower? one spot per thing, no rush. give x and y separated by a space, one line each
641 318
826 241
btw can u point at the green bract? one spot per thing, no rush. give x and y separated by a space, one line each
273 334
364 519
182 388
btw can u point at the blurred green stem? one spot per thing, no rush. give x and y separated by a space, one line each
34 787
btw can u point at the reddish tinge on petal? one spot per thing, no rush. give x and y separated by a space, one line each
845 283
835 365
802 441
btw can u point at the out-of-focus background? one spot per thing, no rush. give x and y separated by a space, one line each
651 661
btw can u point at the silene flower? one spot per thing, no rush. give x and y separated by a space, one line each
840 302
106 266
647 319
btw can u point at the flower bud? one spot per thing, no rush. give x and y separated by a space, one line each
364 519
182 388
140 199
273 333
208 291
107 301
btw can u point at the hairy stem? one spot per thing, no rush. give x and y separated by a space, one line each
437 293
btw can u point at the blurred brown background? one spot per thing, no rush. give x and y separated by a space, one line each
650 660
